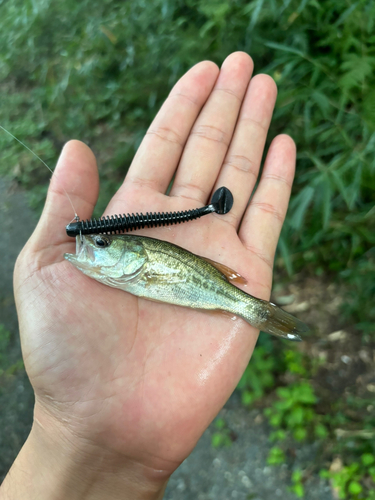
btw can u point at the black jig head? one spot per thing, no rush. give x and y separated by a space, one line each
221 203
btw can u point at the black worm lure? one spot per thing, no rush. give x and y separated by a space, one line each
221 203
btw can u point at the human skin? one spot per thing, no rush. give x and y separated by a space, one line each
125 387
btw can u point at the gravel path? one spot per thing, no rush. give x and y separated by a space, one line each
241 471
16 396
236 472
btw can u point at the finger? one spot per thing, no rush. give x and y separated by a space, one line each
160 151
75 177
241 165
263 219
212 132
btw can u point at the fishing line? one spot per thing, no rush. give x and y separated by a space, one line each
76 216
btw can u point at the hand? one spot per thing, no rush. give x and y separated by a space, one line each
125 381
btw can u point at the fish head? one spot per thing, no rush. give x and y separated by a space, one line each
108 257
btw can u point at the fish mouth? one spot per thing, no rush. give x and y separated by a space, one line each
84 258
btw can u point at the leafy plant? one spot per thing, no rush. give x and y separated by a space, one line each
350 481
258 376
276 456
221 437
297 484
294 411
295 362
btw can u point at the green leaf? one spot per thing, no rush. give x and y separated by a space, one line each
297 475
371 471
284 48
279 435
276 456
327 206
320 431
216 440
358 67
367 459
284 392
256 12
296 416
355 488
298 490
322 101
247 398
275 420
283 405
285 254
220 423
325 474
301 202
346 14
306 394
300 434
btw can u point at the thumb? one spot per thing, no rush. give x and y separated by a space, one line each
74 189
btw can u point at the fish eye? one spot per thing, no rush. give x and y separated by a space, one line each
102 241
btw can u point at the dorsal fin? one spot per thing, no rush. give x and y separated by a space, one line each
229 273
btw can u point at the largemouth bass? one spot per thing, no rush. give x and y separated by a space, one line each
158 270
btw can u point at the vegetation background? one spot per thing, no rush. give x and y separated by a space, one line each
98 70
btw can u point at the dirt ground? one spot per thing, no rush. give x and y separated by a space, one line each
16 396
239 471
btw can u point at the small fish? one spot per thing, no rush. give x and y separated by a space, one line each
158 270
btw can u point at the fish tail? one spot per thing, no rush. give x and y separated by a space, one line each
275 321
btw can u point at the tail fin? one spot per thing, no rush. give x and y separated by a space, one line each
270 318
282 324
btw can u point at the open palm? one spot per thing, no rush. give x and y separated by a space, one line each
138 378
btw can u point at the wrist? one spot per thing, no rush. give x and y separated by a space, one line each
52 465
